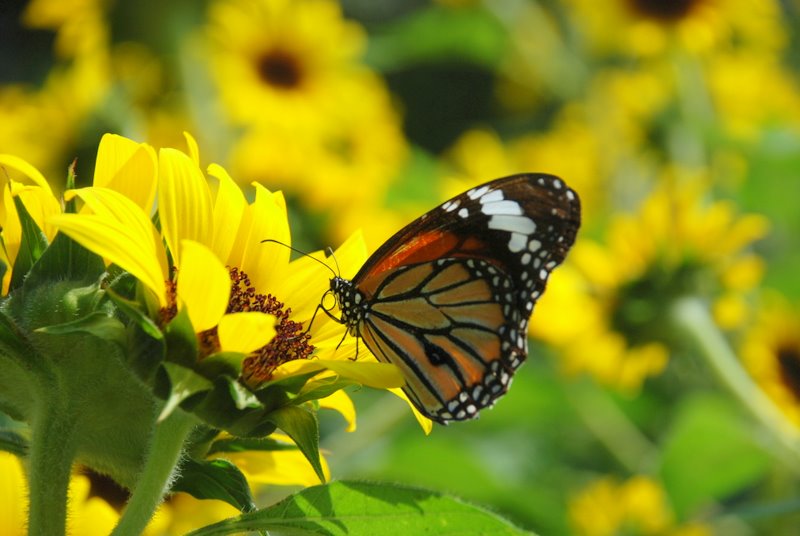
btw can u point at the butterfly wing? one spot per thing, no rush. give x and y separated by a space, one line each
450 295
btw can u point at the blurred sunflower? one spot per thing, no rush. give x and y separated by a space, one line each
771 353
279 60
651 27
480 155
638 506
609 308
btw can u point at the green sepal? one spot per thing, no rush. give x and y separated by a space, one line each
135 314
181 340
279 393
65 259
215 479
243 444
71 206
228 363
98 324
323 388
303 427
343 508
14 443
222 407
185 382
12 341
31 248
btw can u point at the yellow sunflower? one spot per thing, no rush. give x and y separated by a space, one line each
771 353
608 311
637 506
651 27
279 60
232 285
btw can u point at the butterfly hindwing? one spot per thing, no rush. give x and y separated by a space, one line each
447 299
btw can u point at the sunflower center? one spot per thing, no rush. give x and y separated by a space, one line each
290 342
789 361
663 10
279 69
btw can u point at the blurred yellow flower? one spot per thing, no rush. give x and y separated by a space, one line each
280 60
608 309
771 353
651 27
637 506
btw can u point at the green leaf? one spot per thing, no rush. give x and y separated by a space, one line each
229 363
31 248
439 33
215 479
345 508
710 455
65 259
302 426
98 324
13 442
242 444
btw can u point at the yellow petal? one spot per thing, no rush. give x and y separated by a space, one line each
264 263
425 423
119 231
281 467
369 373
184 202
127 167
40 204
13 495
194 150
342 403
204 285
229 208
245 332
26 169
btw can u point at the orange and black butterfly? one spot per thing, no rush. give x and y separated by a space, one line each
447 299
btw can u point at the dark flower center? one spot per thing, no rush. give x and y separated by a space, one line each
290 342
663 10
789 360
279 69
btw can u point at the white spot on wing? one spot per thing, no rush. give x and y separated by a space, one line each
475 193
512 224
464 213
502 207
494 195
517 242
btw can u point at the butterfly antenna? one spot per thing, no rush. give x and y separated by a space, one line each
303 253
336 262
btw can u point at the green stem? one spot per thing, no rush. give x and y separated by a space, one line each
693 317
163 459
52 452
612 427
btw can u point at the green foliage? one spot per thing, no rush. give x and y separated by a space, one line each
341 508
215 479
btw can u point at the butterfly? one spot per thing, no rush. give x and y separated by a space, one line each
447 299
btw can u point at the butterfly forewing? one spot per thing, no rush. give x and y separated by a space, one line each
447 299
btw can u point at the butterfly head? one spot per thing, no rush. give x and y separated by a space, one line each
351 303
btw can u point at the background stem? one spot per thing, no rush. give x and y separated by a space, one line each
693 318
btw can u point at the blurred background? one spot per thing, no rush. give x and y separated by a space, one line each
662 391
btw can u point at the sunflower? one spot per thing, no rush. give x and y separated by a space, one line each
639 506
771 353
608 311
647 28
233 286
278 60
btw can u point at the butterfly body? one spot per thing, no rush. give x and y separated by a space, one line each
447 299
